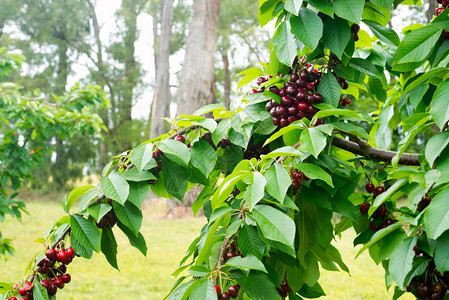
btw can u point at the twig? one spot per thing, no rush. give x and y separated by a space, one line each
281 159
193 127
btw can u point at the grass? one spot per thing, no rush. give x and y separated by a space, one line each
149 277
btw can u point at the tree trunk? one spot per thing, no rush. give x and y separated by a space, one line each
156 38
196 87
161 98
197 84
431 10
226 79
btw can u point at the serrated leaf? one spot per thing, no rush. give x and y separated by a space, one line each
293 6
250 243
136 175
353 129
246 263
109 246
275 225
401 261
203 157
386 35
129 215
141 155
365 67
115 187
436 217
175 151
39 292
313 141
98 210
81 250
204 291
137 242
336 35
307 27
350 10
255 190
315 172
436 145
283 151
175 179
441 251
330 89
278 181
258 286
285 44
439 105
77 193
85 232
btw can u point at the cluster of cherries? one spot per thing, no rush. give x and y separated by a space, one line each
233 292
232 251
425 201
431 285
444 4
284 289
297 179
54 276
355 28
381 218
297 96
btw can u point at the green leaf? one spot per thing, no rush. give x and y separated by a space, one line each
378 236
75 194
364 67
85 232
350 10
283 151
109 246
386 35
337 112
336 35
351 128
285 44
87 198
204 291
141 155
137 242
203 157
425 77
416 46
278 181
307 27
315 172
136 175
98 210
250 75
436 145
39 292
436 218
255 191
439 105
250 243
323 6
442 21
258 286
441 251
266 8
293 6
330 89
388 193
175 151
138 192
81 250
115 187
175 179
208 242
275 225
313 141
129 215
401 261
246 263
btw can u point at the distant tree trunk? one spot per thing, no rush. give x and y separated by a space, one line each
226 79
197 84
196 87
156 38
431 10
161 98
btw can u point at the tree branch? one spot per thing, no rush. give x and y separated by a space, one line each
362 148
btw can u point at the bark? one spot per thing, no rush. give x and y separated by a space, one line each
196 87
161 98
431 10
226 79
62 71
156 39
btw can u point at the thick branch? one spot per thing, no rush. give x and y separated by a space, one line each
410 159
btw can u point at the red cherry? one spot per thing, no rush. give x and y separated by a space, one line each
276 121
15 286
225 296
369 187
46 284
283 122
364 208
379 190
439 10
66 278
319 122
296 184
68 260
372 226
286 100
218 290
53 289
59 283
51 254
180 138
310 87
302 106
71 252
22 291
233 291
291 119
230 255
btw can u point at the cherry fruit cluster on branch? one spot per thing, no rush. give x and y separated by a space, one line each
297 179
382 217
233 292
284 289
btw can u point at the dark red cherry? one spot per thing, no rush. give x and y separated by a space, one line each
283 122
369 187
302 106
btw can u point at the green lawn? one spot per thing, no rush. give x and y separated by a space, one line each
149 277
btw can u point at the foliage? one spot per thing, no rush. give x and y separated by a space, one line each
270 200
28 122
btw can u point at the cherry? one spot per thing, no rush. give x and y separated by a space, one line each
51 254
388 222
230 255
310 87
233 291
61 256
218 290
355 28
59 283
292 110
364 208
286 287
274 89
435 296
43 269
261 80
273 112
29 296
66 278
446 34
318 98
300 115
294 77
310 99
12 298
369 187
319 122
268 106
286 100
253 91
356 38
372 226
439 10
423 290
283 122
15 286
383 211
311 110
180 138
291 119
280 110
276 121
62 269
53 289
296 184
344 85
291 89
22 291
225 296
300 83
304 74
312 77
68 258
282 92
436 287
45 283
301 96
379 190
157 154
